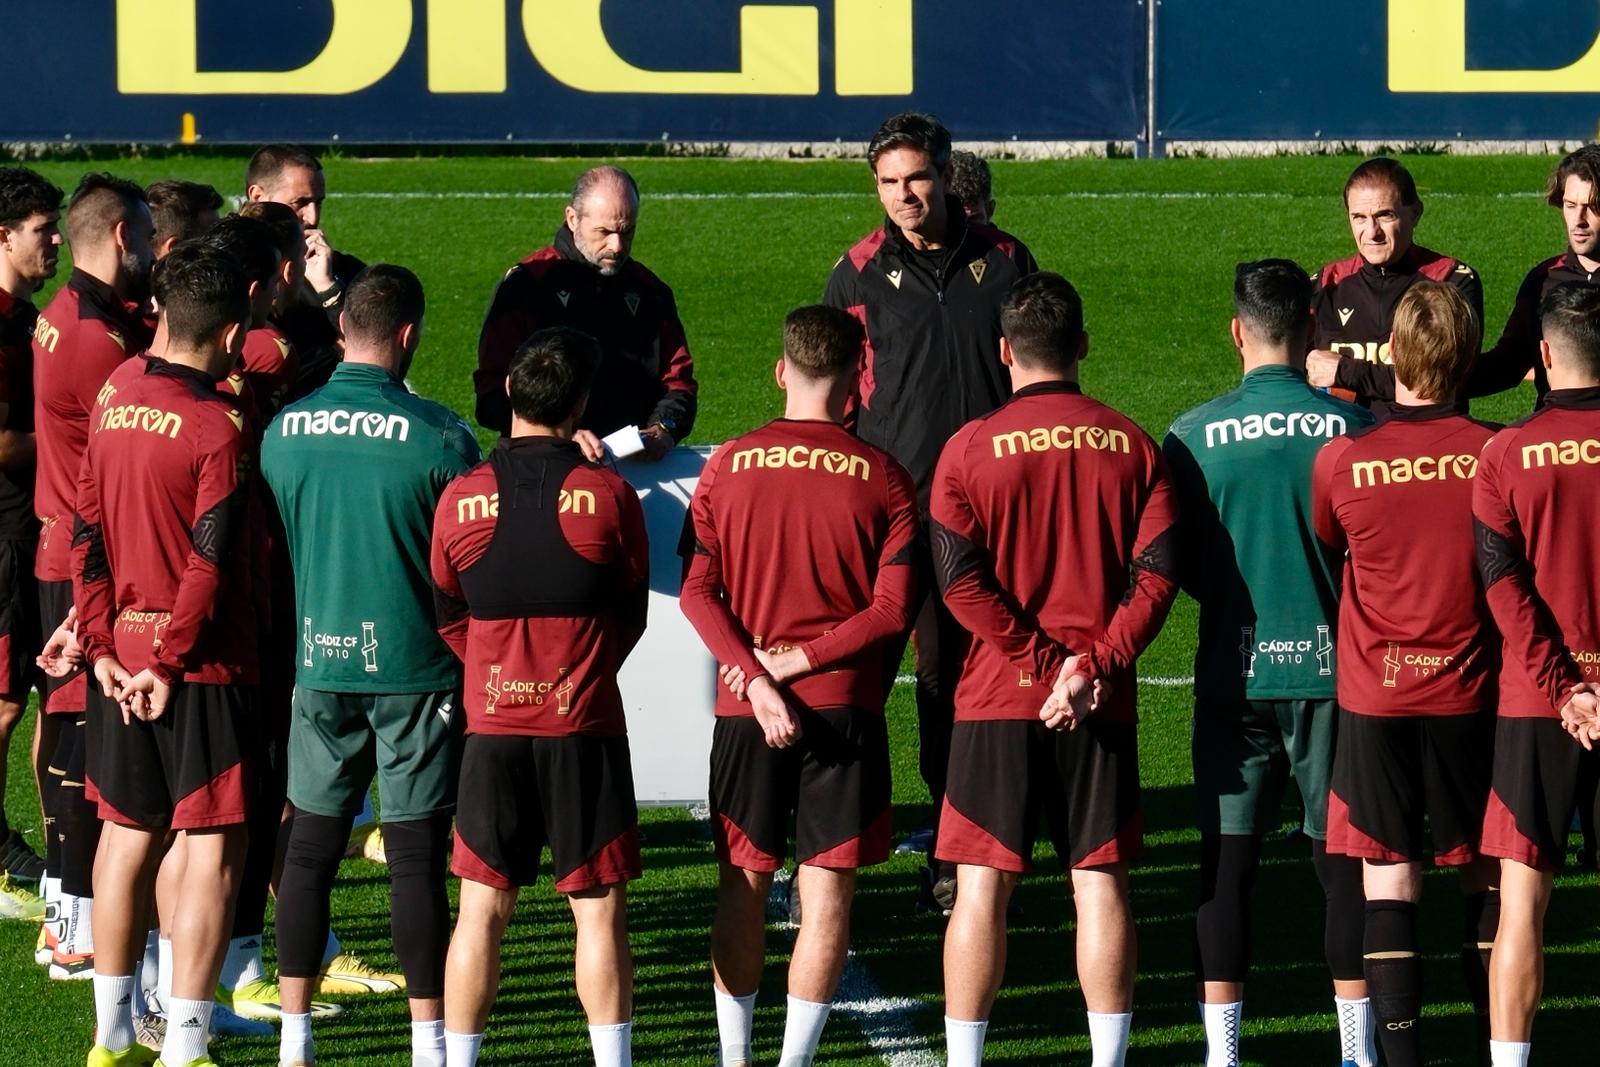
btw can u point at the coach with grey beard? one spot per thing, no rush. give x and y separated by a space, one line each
586 280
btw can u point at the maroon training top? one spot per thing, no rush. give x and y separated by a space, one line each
804 537
542 566
161 570
1415 634
1053 533
81 337
1536 510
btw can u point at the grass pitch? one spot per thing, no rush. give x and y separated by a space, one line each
1152 248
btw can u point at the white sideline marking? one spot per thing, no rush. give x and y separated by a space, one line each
1159 681
778 194
883 1020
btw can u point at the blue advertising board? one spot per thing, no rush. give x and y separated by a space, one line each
389 71
1378 69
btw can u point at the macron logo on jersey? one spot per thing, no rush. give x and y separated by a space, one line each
1413 469
1567 453
487 505
1274 424
1046 438
140 417
801 457
341 423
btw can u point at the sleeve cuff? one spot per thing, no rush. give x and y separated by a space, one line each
165 673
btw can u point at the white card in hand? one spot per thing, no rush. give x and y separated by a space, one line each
624 442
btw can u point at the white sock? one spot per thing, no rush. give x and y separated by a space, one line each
188 1031
802 1029
164 976
963 1042
294 1042
427 1043
1358 1039
242 965
1108 1038
332 948
77 920
735 1020
461 1050
113 1011
50 891
613 1045
1222 1033
1509 1053
146 972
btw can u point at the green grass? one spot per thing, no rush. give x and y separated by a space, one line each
1155 273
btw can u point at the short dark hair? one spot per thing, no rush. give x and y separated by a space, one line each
822 342
381 300
176 207
1582 163
271 160
250 241
200 289
970 180
24 194
1042 319
551 373
1381 170
98 203
1571 311
1274 297
286 227
596 175
915 130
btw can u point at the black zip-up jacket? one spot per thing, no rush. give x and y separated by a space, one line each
932 360
1517 352
646 374
1353 315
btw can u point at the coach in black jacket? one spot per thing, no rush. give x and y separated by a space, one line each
586 280
928 287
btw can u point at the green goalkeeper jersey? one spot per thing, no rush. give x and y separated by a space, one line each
357 468
1268 593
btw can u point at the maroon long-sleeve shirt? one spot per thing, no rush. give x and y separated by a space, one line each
804 537
1053 525
542 566
1415 634
82 335
1536 514
161 568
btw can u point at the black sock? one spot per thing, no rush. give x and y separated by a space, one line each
1394 979
1477 943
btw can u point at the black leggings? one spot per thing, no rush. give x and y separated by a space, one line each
419 912
75 819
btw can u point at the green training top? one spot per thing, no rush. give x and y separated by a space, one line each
357 468
1248 553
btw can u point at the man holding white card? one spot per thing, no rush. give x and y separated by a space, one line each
644 399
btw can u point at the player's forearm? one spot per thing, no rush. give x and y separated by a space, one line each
1369 381
986 615
194 607
1532 636
677 409
452 619
1505 365
92 591
707 610
1134 625
632 616
890 615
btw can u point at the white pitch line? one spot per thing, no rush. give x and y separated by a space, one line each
884 1021
1064 194
1159 681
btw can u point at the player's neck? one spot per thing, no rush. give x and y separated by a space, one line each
1404 397
520 427
102 265
386 361
1021 378
937 231
1254 357
12 281
1587 263
1562 379
213 364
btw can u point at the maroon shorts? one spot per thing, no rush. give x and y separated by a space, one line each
1541 776
62 696
834 784
1005 773
1391 772
518 794
188 770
